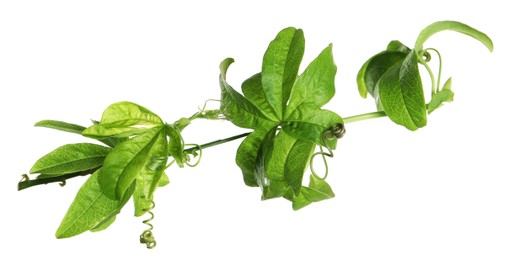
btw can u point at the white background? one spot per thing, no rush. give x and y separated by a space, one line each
441 192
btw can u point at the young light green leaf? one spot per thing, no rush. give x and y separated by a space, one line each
444 95
318 190
62 126
123 119
315 86
91 209
247 154
126 161
71 158
253 91
176 146
280 67
236 108
451 26
401 94
374 68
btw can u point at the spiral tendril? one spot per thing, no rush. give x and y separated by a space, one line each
336 131
147 237
195 153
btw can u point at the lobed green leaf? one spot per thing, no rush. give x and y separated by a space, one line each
91 209
280 67
248 152
253 91
236 108
315 86
71 158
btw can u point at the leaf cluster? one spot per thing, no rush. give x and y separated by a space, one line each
284 110
392 77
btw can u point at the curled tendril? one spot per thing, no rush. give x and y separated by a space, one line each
147 237
195 153
205 104
426 55
336 131
62 183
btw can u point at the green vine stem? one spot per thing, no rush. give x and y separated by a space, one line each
27 183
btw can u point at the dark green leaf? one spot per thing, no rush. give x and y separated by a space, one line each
374 68
401 94
253 90
124 119
451 26
91 209
71 158
236 108
62 126
315 87
126 161
289 159
318 190
280 67
247 154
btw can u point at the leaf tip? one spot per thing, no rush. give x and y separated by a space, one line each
223 67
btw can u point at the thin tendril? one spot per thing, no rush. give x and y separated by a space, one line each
335 132
439 64
205 105
199 155
169 164
431 75
147 237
